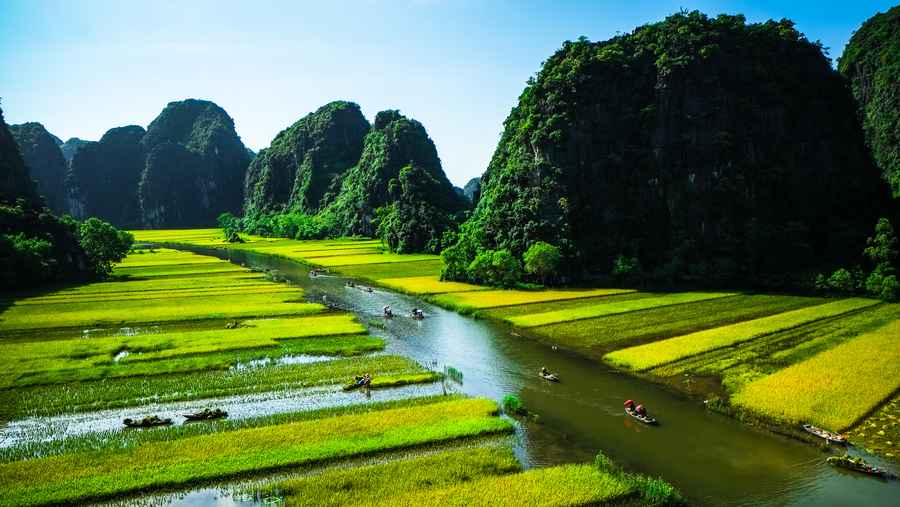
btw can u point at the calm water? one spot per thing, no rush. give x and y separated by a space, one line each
712 459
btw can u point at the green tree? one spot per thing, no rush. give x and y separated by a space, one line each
104 244
882 248
842 281
542 260
495 267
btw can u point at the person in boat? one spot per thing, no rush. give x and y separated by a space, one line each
370 289
388 312
640 410
629 405
544 371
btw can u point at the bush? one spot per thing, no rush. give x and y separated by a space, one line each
542 260
512 405
890 289
841 281
495 267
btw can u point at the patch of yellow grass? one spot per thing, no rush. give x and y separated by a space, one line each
832 389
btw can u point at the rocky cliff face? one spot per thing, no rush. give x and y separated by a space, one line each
871 61
394 143
306 161
103 178
15 181
45 162
699 145
472 190
70 147
183 171
195 165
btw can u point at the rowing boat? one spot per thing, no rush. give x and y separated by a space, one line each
827 435
646 419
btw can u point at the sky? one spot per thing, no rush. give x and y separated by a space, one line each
457 66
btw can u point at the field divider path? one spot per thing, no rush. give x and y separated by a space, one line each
643 357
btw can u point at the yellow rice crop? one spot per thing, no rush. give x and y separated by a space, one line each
834 388
350 260
495 298
654 354
610 308
427 285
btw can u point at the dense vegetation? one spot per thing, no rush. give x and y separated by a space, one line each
306 160
36 247
45 161
871 61
395 190
694 150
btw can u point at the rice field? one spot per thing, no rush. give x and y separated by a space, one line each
477 300
834 388
91 475
426 285
654 354
603 308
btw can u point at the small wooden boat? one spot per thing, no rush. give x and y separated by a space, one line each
646 419
552 377
206 414
147 422
356 384
834 438
856 464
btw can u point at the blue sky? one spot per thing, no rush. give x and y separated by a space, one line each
457 66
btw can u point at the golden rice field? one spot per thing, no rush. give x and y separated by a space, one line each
832 389
653 354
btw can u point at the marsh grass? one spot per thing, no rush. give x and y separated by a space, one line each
93 475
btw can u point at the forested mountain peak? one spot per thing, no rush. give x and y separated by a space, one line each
871 61
306 160
694 144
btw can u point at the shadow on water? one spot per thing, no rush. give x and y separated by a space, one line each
712 459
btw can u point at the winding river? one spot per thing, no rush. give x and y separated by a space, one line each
711 458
